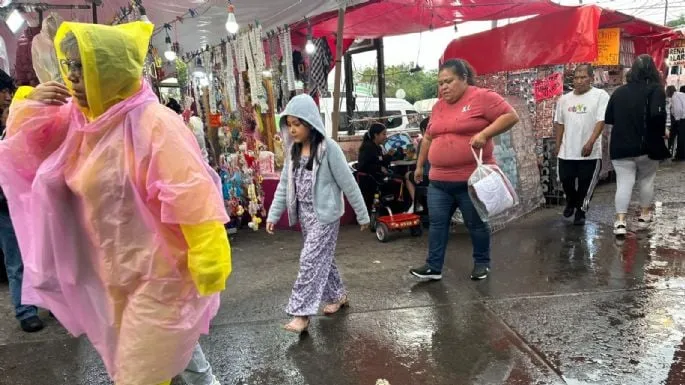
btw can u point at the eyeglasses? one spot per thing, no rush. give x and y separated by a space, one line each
72 66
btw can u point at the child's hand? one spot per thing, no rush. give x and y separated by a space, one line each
270 228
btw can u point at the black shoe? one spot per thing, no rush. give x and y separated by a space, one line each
32 324
426 272
580 218
568 211
479 272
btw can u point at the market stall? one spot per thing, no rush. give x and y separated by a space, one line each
238 85
532 65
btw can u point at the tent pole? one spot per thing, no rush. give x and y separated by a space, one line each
338 62
380 67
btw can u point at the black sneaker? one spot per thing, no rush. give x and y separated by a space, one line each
479 272
32 324
580 218
569 211
426 272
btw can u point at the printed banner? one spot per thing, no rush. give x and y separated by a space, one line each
608 47
549 87
676 53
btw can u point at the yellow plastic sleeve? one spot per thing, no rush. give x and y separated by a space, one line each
209 256
22 93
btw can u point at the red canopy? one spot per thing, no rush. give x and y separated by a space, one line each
379 18
568 36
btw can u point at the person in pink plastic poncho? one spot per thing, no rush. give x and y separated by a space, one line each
119 219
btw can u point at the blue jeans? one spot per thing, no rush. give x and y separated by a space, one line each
198 372
443 199
14 267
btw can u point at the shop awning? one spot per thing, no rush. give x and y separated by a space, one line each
567 36
380 18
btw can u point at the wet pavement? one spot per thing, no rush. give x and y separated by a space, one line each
563 305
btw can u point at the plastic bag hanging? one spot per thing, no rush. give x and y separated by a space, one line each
43 50
490 190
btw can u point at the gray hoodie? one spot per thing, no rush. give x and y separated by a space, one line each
331 175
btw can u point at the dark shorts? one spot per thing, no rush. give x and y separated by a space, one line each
424 183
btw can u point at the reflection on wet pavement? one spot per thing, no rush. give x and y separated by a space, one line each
563 305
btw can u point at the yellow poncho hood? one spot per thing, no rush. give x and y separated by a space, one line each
113 58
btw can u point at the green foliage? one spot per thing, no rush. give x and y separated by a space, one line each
418 86
676 22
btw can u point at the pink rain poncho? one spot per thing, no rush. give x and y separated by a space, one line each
100 208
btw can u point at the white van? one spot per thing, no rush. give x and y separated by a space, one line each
676 76
368 108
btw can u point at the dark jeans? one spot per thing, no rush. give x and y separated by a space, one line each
443 199
14 267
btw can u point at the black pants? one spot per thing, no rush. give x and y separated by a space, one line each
677 139
579 179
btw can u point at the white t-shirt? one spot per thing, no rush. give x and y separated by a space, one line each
579 114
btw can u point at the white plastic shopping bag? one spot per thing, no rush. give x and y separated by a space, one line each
490 190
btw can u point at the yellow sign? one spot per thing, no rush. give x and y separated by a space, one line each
608 47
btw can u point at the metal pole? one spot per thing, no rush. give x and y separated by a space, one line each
666 13
95 13
338 71
380 57
349 91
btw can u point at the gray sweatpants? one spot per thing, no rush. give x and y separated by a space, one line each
628 171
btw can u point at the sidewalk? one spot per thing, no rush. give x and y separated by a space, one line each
563 305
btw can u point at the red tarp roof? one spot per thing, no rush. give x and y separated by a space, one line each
573 39
378 18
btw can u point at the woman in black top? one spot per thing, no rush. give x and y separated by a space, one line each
637 112
373 162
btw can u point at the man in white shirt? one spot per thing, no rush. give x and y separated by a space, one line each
579 122
676 141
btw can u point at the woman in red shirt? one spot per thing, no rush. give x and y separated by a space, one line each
465 116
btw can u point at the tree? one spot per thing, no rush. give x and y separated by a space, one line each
676 22
417 85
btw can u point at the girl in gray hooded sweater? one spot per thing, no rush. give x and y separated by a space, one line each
314 177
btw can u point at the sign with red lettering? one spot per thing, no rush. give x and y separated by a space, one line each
548 87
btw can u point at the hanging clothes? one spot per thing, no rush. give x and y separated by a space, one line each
24 73
319 68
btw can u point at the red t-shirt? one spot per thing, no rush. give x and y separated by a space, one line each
453 125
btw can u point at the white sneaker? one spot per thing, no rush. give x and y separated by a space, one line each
620 228
215 382
644 221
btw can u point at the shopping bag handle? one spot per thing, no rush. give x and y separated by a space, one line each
479 156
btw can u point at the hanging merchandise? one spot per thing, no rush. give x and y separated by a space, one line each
242 67
319 68
230 77
207 58
272 39
259 66
287 51
24 73
43 51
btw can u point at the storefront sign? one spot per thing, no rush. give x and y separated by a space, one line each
549 87
608 47
676 53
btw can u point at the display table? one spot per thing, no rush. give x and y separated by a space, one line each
269 186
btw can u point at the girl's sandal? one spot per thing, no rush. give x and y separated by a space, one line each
335 307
